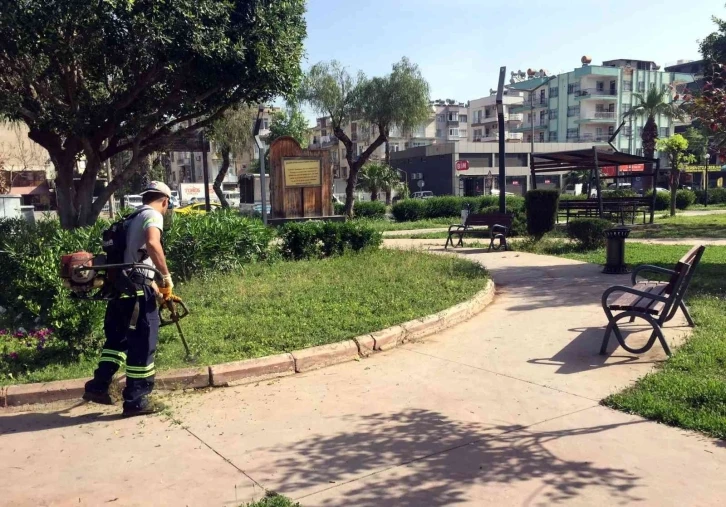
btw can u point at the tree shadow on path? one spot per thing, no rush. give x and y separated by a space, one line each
429 459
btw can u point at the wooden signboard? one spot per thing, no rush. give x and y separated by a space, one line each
301 181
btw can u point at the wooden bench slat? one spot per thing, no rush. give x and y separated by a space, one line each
635 302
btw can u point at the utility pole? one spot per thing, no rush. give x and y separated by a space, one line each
261 148
502 141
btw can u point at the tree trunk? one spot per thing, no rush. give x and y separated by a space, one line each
220 178
650 135
388 152
374 193
675 179
389 191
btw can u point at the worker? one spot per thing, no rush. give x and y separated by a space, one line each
132 321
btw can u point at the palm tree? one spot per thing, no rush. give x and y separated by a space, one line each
649 106
376 177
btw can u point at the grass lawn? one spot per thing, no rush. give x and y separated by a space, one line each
688 390
705 226
284 306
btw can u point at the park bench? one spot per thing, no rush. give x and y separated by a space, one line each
654 301
498 225
617 207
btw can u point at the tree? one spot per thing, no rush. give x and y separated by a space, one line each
676 148
649 106
376 177
713 47
290 122
92 79
232 135
331 90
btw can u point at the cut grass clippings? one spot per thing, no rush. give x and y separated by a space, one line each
689 389
284 306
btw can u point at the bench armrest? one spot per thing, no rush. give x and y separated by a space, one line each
456 227
496 228
630 290
651 269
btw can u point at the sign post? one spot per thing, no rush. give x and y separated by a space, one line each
502 143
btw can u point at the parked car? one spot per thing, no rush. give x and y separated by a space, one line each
197 208
426 194
174 200
132 201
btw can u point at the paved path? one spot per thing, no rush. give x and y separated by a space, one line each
501 410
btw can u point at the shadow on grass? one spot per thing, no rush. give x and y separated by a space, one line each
428 459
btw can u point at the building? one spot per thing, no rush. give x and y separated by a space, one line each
434 167
25 167
587 104
483 120
452 121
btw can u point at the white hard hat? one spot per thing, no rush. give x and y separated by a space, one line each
157 187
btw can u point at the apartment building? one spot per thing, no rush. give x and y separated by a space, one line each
186 166
483 120
452 121
588 104
25 167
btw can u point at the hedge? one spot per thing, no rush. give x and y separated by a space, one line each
541 210
313 239
715 196
588 232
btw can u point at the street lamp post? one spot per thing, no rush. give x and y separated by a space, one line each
705 183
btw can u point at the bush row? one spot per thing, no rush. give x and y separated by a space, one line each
312 240
363 209
588 232
715 196
684 199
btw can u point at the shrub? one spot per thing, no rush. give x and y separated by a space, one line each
408 210
685 198
219 241
626 192
306 240
302 240
338 208
588 232
369 209
445 206
33 295
541 211
715 196
662 200
23 350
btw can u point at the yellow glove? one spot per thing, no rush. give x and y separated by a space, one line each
166 287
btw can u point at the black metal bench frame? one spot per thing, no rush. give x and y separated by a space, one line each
496 231
612 206
672 301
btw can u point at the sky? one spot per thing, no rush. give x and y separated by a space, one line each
461 44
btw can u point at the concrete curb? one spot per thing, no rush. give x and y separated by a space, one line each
264 368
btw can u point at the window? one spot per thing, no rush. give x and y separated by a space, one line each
599 132
477 132
627 86
441 118
541 137
463 118
627 131
573 110
419 131
529 138
600 86
361 149
663 132
454 132
572 133
626 108
611 130
573 88
463 132
553 137
553 114
453 116
529 118
554 92
641 86
639 152
393 147
438 133
640 131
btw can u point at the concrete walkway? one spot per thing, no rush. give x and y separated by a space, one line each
501 410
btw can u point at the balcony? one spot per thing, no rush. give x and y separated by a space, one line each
588 138
527 127
508 136
324 142
493 119
598 117
452 123
596 93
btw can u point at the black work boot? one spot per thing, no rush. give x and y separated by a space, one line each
145 406
97 392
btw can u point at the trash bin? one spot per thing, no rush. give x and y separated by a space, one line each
615 253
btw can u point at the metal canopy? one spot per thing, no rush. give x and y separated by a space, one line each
587 159
592 160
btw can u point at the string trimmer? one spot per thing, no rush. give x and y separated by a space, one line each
89 277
